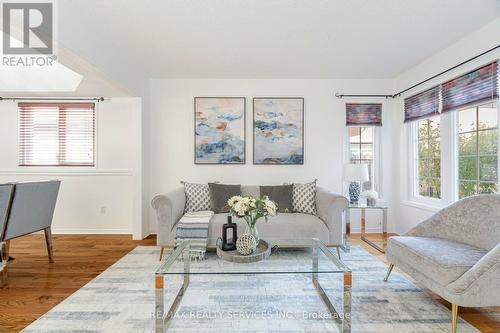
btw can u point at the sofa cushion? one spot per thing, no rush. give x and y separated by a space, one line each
439 259
220 194
283 229
281 195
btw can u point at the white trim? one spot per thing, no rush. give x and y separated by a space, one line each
420 205
454 147
96 135
377 161
498 145
412 143
83 231
32 171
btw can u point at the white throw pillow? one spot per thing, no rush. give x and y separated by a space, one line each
304 198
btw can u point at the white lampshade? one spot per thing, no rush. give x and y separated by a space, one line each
356 172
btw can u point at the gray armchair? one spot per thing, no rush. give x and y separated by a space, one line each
455 253
25 208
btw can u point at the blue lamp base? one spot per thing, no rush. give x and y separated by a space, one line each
354 192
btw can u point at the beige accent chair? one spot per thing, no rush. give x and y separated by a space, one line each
455 253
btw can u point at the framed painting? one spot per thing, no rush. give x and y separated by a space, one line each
219 130
278 130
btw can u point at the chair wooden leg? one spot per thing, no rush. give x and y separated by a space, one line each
48 242
454 318
389 270
161 252
4 258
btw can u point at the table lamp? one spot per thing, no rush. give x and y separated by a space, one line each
356 174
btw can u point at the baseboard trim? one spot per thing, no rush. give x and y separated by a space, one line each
85 231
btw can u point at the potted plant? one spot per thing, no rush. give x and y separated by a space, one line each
371 197
252 209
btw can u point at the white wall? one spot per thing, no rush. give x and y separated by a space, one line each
408 213
172 138
104 199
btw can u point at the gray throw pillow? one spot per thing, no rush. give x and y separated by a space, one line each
281 195
220 194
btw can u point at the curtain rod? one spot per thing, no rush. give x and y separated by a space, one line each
421 82
97 99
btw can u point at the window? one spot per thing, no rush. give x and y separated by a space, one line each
477 150
361 150
428 157
56 134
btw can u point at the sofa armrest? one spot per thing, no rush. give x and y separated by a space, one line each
331 207
169 209
478 286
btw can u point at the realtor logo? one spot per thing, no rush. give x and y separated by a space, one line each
28 28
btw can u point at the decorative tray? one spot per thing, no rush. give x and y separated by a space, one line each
262 252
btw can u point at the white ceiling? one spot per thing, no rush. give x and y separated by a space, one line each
267 38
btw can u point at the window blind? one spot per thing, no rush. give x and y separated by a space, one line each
56 134
422 105
358 114
477 86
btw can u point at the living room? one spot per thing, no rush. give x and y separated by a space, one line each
352 148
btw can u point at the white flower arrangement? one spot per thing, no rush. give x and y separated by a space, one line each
249 207
371 194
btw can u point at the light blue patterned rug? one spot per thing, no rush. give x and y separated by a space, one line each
121 299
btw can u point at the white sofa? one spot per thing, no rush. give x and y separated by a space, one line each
285 229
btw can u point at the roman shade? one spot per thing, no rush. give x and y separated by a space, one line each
422 105
358 114
56 134
479 85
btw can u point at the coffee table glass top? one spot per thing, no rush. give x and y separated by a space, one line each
316 258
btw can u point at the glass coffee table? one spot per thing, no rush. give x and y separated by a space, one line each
315 261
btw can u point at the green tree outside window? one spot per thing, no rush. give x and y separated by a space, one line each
429 157
478 150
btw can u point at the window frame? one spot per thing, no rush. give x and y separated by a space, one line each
413 175
456 145
42 167
449 160
377 174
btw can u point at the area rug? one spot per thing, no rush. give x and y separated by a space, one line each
121 299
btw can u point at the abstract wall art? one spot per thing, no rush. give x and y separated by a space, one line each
278 127
219 135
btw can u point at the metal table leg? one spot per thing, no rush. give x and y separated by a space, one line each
384 231
163 320
343 321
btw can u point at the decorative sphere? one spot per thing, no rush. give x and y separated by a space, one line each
246 244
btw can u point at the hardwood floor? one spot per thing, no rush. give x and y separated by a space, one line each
34 286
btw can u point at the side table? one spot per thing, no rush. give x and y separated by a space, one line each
382 247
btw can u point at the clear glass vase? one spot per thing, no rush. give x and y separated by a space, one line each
252 229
